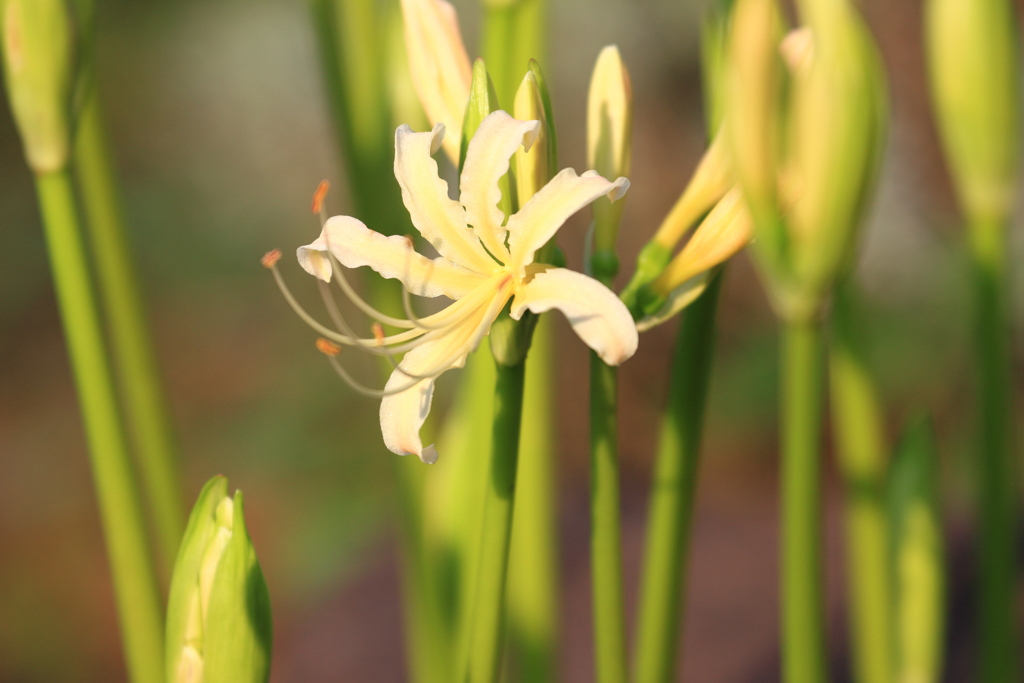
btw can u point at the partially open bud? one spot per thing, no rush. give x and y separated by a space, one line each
438 64
973 64
709 183
38 72
609 138
726 230
218 614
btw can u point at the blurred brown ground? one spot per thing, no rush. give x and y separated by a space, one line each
218 118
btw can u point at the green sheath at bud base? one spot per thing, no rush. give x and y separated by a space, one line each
218 616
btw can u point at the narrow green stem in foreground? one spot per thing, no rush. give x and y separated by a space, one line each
605 526
133 349
533 584
997 506
134 580
512 36
858 425
486 626
670 507
803 610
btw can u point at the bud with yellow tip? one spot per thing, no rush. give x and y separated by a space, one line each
973 65
38 58
609 146
532 168
218 614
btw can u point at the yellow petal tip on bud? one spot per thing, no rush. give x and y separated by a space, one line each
271 258
610 116
327 347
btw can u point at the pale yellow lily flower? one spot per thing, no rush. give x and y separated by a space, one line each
439 65
480 267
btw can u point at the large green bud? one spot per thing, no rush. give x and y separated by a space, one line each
218 616
38 57
972 59
806 117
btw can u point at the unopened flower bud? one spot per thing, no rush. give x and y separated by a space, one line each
609 138
532 168
973 64
38 71
218 614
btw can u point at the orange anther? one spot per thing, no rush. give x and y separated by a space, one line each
378 333
327 347
319 195
271 258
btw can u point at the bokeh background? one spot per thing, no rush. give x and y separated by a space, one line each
220 127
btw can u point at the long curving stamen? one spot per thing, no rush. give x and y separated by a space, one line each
358 300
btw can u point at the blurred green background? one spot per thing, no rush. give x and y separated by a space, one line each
220 128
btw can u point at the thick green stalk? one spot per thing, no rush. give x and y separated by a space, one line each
135 585
605 525
533 584
513 34
858 424
997 506
138 373
670 506
803 610
486 624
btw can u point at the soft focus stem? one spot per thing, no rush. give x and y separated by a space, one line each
803 613
533 584
133 349
513 34
996 473
135 584
670 507
486 625
858 424
605 525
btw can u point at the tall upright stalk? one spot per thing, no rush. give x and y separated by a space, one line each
605 526
858 424
803 611
533 584
673 486
997 505
485 632
135 585
134 357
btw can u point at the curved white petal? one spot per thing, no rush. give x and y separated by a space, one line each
487 160
595 313
438 65
539 219
402 414
355 245
441 221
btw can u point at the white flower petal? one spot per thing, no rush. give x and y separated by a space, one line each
402 414
487 160
438 65
595 313
355 245
539 219
441 221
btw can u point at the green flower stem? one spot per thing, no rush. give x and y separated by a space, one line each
133 349
858 425
533 585
670 507
997 505
513 34
486 625
803 611
135 584
605 526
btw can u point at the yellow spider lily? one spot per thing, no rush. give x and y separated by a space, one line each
480 267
